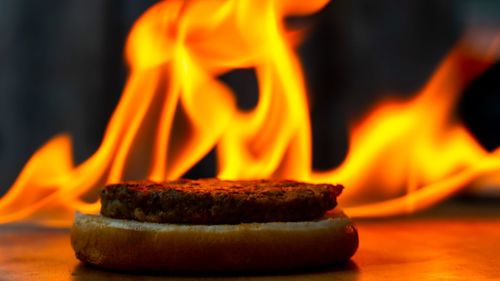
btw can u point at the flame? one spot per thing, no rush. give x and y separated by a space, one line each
415 151
404 155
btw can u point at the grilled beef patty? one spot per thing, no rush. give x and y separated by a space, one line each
213 201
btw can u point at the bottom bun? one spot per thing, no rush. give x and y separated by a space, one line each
253 247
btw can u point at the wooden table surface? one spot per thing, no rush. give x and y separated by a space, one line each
448 244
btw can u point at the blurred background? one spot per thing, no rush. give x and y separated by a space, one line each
62 69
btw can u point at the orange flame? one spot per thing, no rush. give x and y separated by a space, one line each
405 155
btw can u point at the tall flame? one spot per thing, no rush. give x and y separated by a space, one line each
404 155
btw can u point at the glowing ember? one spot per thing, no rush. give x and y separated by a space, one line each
403 156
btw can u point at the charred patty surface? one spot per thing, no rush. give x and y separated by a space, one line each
213 201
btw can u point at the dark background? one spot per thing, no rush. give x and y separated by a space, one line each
62 69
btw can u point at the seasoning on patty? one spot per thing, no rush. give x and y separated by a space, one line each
214 201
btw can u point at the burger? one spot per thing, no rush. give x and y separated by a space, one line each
213 225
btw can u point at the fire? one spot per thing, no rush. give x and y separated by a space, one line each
415 152
404 155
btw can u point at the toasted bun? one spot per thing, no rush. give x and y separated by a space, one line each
276 246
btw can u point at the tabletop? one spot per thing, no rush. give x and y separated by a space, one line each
454 242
